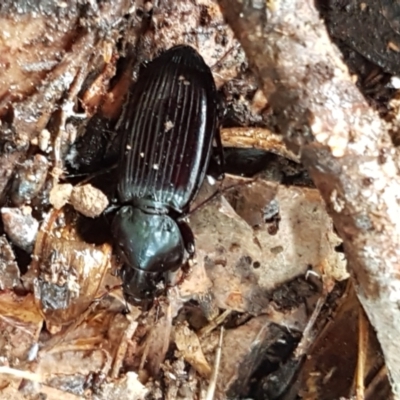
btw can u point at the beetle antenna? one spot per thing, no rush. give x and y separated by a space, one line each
91 174
219 192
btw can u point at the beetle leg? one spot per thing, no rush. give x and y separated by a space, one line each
219 152
188 237
217 163
172 278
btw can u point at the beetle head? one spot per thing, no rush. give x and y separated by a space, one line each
150 245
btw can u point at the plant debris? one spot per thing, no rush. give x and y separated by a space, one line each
303 225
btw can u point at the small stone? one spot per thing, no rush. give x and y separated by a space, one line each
44 140
29 179
88 200
168 125
20 227
60 194
9 271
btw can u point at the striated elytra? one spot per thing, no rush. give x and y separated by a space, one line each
168 128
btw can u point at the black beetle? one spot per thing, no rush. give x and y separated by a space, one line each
168 128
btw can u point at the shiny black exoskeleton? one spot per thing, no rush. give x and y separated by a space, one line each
168 128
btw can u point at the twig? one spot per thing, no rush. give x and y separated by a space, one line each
17 373
362 354
213 324
213 381
259 138
306 340
122 347
376 381
34 377
342 142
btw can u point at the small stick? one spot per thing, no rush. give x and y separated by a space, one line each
213 324
31 376
372 388
214 376
362 353
306 341
258 138
122 348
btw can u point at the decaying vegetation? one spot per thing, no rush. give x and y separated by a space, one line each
294 289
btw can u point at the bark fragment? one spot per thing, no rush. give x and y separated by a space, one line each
342 141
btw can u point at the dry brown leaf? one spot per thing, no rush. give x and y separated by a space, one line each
189 347
245 259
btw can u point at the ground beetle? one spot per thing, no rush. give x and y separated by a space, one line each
168 129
